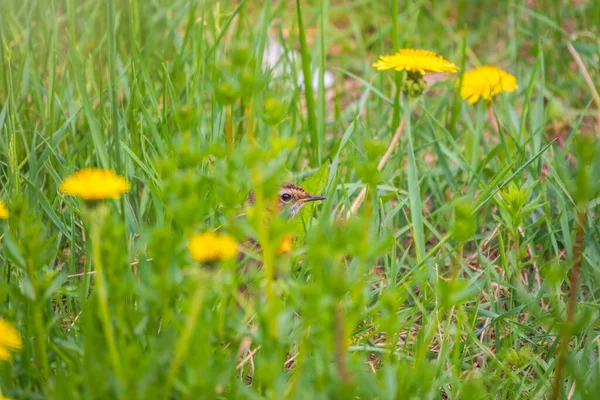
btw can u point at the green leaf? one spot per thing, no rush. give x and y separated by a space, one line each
13 252
315 184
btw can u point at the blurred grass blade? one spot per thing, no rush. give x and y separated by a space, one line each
308 90
94 124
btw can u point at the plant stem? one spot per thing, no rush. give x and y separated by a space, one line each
85 286
268 255
517 248
397 75
388 153
340 343
39 335
102 292
250 123
41 353
457 259
184 340
414 192
474 156
565 336
229 126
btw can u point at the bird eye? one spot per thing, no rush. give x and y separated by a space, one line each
286 197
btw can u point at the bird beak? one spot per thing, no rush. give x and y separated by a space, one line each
314 198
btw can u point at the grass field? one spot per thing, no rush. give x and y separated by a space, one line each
457 254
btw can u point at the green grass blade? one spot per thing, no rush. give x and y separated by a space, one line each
308 89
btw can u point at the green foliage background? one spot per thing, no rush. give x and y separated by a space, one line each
438 287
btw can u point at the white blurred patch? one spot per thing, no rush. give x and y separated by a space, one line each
280 63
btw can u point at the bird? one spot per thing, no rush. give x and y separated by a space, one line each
290 199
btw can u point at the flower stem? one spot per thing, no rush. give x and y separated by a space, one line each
184 341
85 287
474 156
414 193
102 292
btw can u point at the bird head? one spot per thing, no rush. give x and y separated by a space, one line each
292 197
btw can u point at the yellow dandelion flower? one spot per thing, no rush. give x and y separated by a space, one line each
209 247
10 341
95 184
286 245
485 82
3 210
411 60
